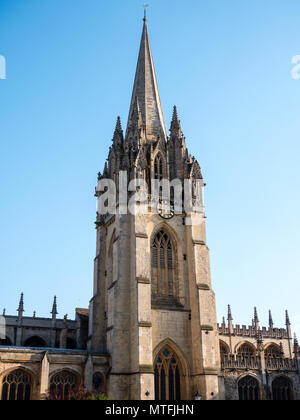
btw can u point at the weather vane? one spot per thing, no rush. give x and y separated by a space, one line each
145 10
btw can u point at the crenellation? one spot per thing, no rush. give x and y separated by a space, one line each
250 331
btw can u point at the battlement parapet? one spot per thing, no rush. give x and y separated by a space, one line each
254 363
250 332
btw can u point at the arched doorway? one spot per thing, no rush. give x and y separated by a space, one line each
168 374
16 386
248 389
282 389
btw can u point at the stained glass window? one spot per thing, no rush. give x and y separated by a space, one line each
16 386
167 376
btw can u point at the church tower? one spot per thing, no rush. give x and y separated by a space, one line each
153 309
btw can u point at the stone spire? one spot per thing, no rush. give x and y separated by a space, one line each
146 89
175 129
271 324
21 306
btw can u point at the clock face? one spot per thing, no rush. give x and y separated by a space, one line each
165 209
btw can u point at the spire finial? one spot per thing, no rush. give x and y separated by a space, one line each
175 129
118 125
175 116
105 171
54 307
287 319
256 320
271 324
229 318
21 305
145 11
118 134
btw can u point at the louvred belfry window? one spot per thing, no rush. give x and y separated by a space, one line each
162 266
158 168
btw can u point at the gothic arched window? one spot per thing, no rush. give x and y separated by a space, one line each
248 389
272 352
162 266
246 353
224 351
35 342
158 167
63 385
16 386
71 343
282 389
5 342
167 371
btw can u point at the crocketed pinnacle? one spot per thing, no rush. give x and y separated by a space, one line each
229 317
21 305
270 320
54 307
287 319
175 129
118 134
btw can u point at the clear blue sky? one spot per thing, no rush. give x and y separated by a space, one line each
225 64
